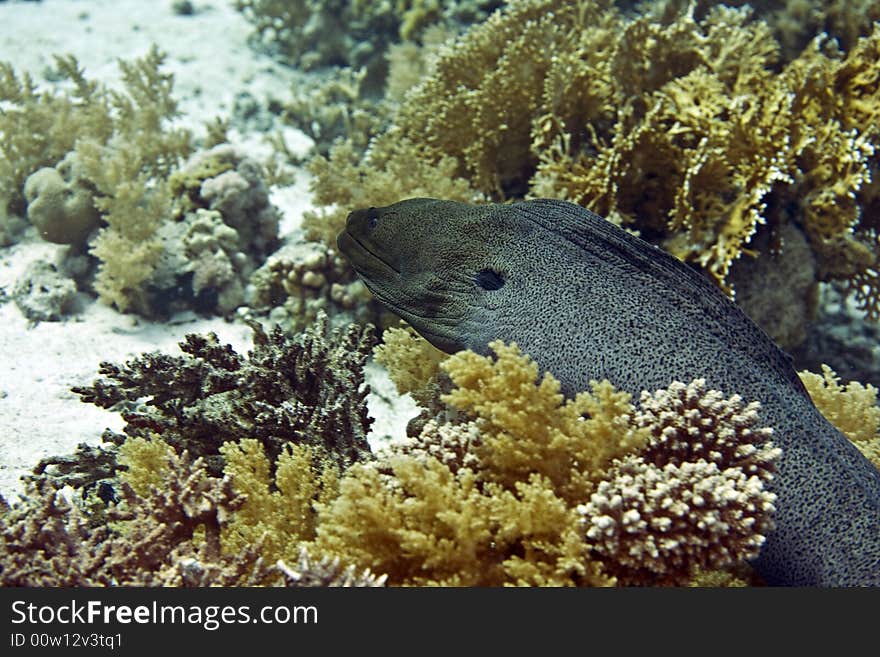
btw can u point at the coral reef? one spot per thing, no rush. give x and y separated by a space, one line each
44 294
315 33
60 205
110 151
46 542
794 22
302 279
169 237
504 497
224 228
391 170
336 107
514 485
167 533
39 127
412 362
280 512
308 388
852 408
840 337
685 126
309 571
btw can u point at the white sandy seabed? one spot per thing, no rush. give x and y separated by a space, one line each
211 62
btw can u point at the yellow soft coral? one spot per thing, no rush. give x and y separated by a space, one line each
423 524
145 462
393 169
684 125
279 513
528 427
412 362
851 408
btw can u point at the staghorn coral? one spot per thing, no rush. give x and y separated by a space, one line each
852 408
150 541
308 388
695 497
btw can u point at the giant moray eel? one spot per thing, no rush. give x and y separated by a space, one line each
587 301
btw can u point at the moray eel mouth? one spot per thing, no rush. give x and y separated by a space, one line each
366 263
387 284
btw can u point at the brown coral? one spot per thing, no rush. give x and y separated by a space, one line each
151 540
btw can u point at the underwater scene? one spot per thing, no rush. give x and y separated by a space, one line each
439 293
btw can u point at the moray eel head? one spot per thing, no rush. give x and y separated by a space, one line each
438 264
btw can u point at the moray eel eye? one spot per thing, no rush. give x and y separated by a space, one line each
489 279
372 219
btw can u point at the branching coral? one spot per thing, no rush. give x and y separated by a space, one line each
166 530
309 571
852 408
522 488
308 388
150 541
695 497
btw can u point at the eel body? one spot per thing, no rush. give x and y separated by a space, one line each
588 301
